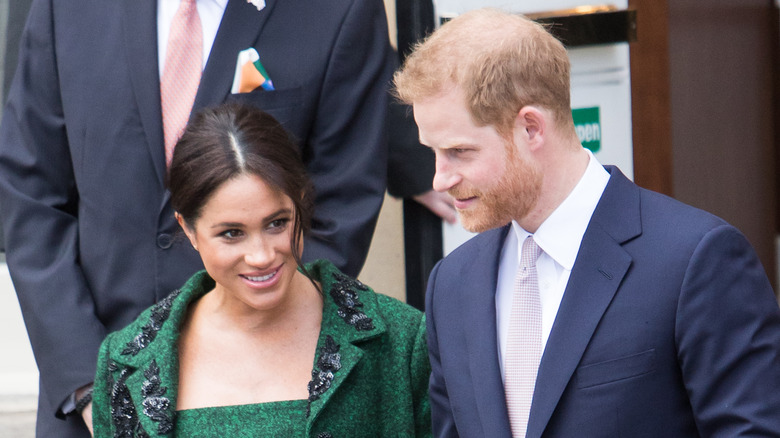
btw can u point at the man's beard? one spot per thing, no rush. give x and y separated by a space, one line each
514 196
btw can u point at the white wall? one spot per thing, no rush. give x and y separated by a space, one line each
18 372
384 269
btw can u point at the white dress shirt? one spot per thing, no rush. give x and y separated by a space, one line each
210 12
559 237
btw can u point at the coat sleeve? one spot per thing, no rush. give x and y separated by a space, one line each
347 154
39 199
101 393
728 336
441 411
420 374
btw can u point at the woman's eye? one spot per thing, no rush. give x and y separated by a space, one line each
231 234
278 225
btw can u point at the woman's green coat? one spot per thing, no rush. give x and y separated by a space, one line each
369 378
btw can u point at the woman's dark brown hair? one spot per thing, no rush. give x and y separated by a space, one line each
230 140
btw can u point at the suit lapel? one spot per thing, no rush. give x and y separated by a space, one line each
479 296
598 271
140 34
239 30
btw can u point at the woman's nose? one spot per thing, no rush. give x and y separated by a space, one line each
259 253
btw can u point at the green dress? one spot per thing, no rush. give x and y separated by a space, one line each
281 419
369 375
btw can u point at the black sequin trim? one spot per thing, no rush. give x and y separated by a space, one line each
149 331
155 405
325 435
123 414
322 375
344 293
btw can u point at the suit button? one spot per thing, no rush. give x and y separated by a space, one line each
164 240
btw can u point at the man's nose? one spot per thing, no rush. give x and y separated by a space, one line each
445 177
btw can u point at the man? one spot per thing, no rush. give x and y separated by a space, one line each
588 307
90 234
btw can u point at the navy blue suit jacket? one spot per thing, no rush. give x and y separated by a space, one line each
668 328
90 235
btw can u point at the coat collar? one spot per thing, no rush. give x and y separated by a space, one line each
240 28
481 341
146 360
140 36
598 271
350 317
145 356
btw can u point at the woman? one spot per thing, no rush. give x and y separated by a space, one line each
257 344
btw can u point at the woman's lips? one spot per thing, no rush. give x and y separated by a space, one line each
262 279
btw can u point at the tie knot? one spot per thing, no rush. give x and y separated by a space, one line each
530 252
188 8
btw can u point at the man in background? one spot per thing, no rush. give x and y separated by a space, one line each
587 306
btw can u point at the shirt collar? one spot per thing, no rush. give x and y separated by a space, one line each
560 235
221 3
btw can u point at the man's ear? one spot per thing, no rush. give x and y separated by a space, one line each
531 123
187 230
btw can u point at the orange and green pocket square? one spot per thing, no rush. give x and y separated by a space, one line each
250 73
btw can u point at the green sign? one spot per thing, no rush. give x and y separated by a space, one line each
588 125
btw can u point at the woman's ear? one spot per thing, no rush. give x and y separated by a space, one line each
187 230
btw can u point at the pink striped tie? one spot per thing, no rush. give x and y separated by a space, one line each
524 341
181 73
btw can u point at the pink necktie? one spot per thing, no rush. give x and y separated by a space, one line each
524 341
181 73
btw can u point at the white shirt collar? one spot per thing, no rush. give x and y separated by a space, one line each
210 11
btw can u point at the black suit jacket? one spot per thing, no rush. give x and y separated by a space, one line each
668 327
90 234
